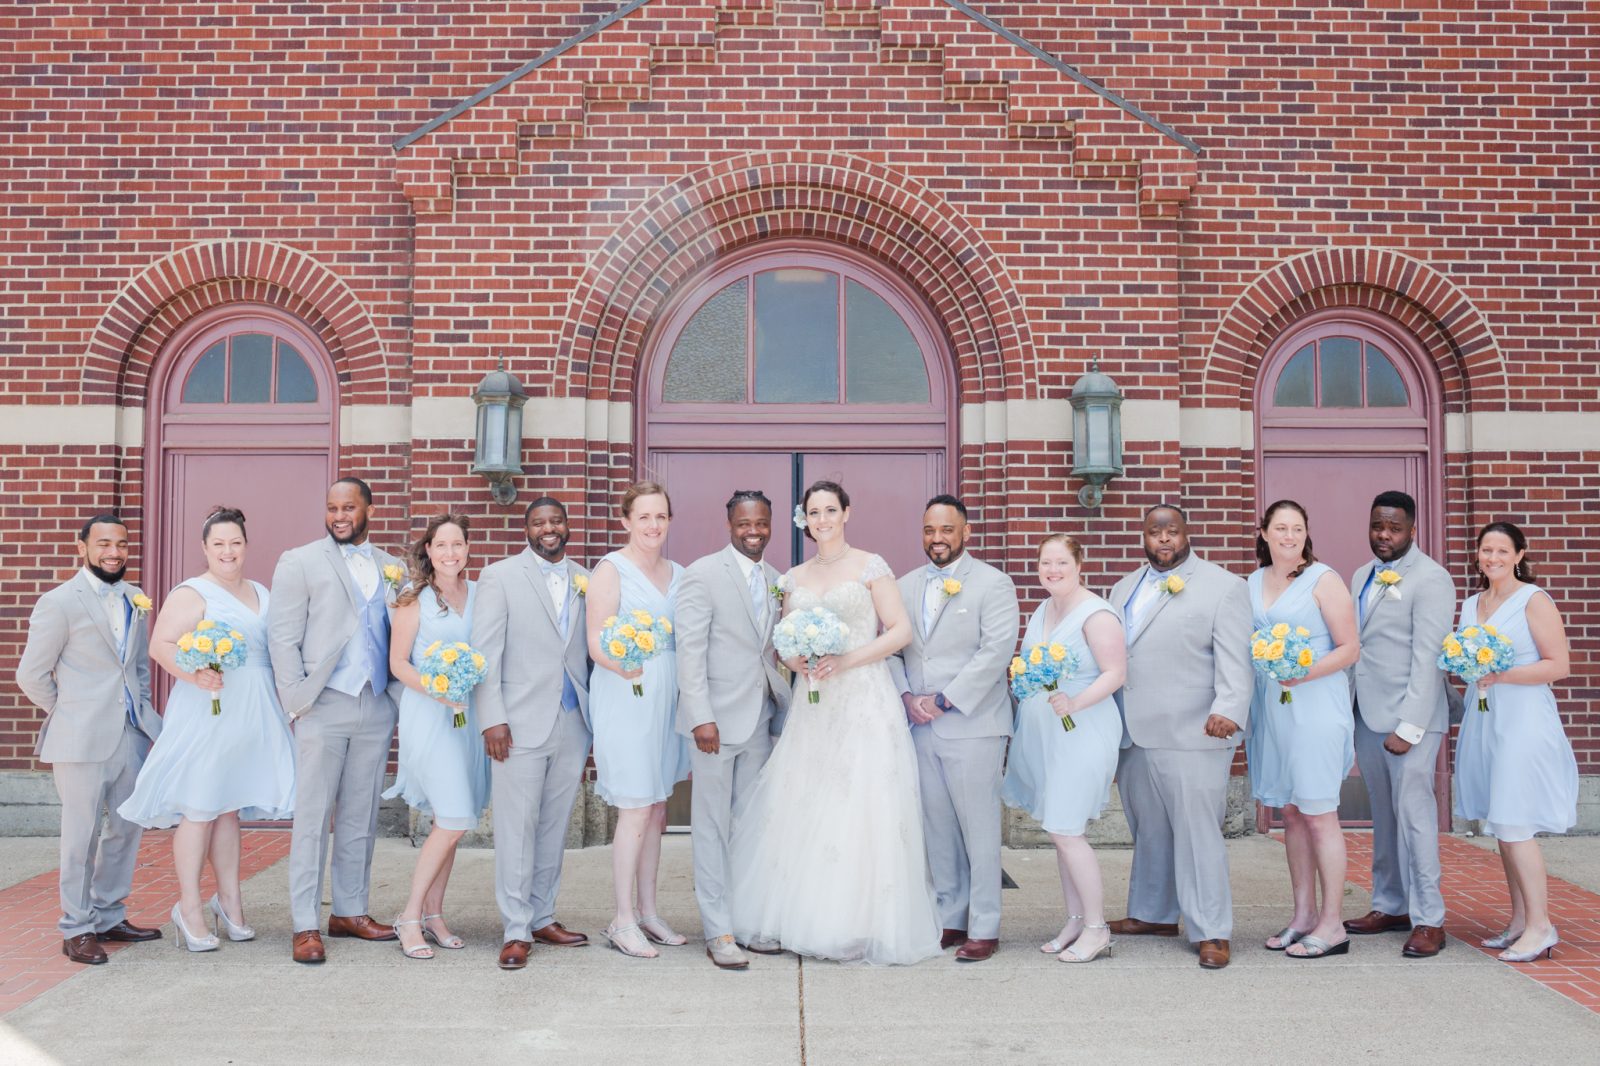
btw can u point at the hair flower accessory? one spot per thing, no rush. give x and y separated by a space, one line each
799 516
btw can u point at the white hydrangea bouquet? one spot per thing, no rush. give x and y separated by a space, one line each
810 634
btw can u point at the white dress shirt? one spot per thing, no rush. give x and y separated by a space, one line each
111 602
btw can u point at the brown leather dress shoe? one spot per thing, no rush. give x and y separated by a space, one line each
514 954
1140 927
952 938
362 927
977 950
84 948
308 947
559 936
125 932
1377 922
1425 942
1214 954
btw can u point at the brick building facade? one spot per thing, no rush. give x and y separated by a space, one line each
1190 198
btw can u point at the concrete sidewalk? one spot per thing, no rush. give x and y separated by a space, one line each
248 1003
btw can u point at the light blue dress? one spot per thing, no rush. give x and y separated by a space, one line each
1515 770
1299 752
241 760
638 754
441 768
1063 778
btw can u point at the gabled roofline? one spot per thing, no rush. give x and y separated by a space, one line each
976 16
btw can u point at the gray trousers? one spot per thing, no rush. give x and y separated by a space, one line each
532 794
97 867
1175 802
961 826
341 749
1405 826
720 783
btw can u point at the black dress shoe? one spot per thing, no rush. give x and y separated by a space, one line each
125 932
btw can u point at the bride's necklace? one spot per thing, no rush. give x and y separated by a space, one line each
835 557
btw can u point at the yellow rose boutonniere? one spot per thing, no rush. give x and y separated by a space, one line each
1389 582
580 584
393 575
1172 584
950 587
141 604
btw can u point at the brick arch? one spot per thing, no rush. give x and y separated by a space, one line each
686 226
131 333
1416 296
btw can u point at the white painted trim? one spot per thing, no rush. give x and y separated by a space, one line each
1216 427
998 421
374 423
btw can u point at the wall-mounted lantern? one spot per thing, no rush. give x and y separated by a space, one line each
498 455
1096 433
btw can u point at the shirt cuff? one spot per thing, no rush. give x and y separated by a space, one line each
1411 734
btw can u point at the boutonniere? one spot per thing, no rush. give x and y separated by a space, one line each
777 591
1389 582
141 604
580 584
950 588
393 575
1170 585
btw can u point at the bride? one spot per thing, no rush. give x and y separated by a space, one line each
827 851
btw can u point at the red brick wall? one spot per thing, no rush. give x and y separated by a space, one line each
1041 224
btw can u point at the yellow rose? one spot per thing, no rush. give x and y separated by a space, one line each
1452 648
1018 666
644 618
1470 632
441 683
646 641
393 574
463 645
1485 656
431 648
627 631
1036 656
580 584
951 586
1302 631
203 645
1057 652
449 655
617 649
1304 658
186 642
1280 630
666 627
1174 585
141 602
205 624
427 680
609 622
1258 650
235 634
1388 577
224 646
477 660
1275 650
1491 630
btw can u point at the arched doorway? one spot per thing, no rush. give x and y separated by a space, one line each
243 412
786 364
1347 407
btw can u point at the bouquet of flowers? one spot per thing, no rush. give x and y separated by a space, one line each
1041 670
1475 652
633 640
450 672
210 647
1281 654
811 634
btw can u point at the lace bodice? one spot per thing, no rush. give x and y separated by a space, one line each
851 601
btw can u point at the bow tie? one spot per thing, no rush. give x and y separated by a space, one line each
552 568
106 591
363 550
934 571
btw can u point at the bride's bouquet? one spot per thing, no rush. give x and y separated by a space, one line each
810 633
209 647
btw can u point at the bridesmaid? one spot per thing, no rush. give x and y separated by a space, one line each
1063 778
638 755
205 770
442 768
1515 771
1300 752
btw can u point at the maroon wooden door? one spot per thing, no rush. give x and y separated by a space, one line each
1347 408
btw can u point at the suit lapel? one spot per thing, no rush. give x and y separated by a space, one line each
1185 570
731 565
1401 566
535 576
1361 585
96 610
335 557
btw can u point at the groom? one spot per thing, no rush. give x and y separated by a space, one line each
952 679
731 700
533 708
86 665
328 635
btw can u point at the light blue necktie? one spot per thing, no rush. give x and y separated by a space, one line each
758 593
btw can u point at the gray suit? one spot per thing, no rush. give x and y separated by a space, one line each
1188 658
341 741
727 675
1396 681
961 754
72 670
516 625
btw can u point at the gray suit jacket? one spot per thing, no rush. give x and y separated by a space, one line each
1189 659
726 670
966 654
71 671
517 629
1396 679
313 613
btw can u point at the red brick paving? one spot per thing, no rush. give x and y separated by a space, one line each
31 962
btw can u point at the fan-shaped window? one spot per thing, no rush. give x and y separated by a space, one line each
797 335
250 367
1340 371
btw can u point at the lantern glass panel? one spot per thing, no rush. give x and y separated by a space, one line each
492 435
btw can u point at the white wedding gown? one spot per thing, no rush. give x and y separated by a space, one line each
828 857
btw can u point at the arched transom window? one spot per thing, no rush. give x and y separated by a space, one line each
1340 370
249 367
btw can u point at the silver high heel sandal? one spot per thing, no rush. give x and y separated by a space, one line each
1502 939
1547 948
614 936
453 942
236 933
1071 954
1057 946
671 938
188 940
421 951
